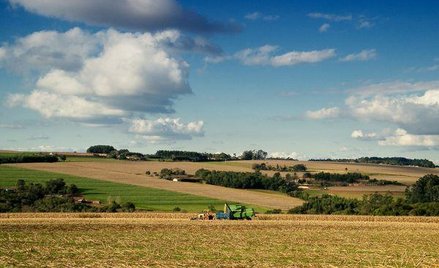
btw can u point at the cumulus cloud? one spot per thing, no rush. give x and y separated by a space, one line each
414 112
325 27
165 129
265 55
363 55
260 16
360 135
324 113
55 105
402 138
117 74
44 50
145 15
417 114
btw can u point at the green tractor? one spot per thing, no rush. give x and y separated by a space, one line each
235 212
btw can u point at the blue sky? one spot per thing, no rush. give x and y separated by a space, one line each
300 79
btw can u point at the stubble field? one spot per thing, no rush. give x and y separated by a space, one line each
172 240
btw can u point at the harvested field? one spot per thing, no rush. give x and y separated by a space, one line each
134 173
166 240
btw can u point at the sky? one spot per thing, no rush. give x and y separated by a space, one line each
301 79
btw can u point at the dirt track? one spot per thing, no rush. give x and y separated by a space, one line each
134 173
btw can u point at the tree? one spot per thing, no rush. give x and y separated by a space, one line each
254 155
260 155
100 149
426 189
247 155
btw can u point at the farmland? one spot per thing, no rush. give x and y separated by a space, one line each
134 173
144 198
172 240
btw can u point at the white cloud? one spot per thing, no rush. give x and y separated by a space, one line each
132 72
260 16
264 55
325 27
360 135
394 87
360 21
363 55
402 138
284 155
365 22
67 51
405 105
149 15
416 114
325 113
11 126
55 105
2 53
330 17
44 50
165 129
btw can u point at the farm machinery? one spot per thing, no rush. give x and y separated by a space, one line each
230 212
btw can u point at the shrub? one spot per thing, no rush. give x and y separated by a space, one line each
274 211
128 207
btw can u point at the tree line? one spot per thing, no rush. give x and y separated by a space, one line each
30 158
329 179
396 161
247 180
421 199
281 168
54 196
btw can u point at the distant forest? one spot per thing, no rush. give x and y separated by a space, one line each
396 161
176 155
173 155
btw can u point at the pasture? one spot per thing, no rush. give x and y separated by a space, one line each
172 240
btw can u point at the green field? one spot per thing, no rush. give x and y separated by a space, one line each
142 197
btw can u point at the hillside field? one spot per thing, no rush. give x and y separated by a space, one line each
134 173
144 198
172 240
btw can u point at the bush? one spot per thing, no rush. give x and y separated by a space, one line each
299 168
128 207
176 209
167 173
274 211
